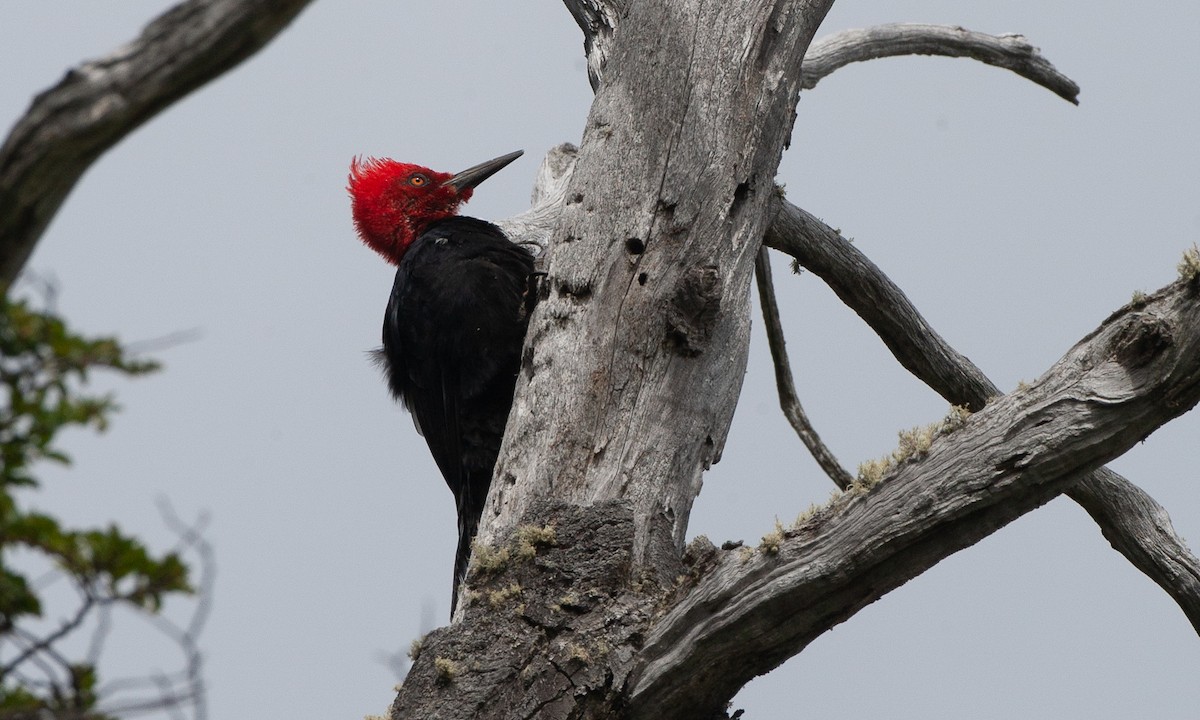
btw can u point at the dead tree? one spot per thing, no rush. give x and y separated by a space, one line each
582 601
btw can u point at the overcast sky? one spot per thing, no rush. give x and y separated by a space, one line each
1015 221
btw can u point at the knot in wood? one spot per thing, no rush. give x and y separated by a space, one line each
693 310
574 289
1143 338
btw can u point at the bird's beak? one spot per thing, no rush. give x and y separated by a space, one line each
472 176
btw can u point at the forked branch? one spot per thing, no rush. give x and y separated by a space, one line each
1136 526
755 609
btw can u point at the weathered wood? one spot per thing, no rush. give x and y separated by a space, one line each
1012 52
103 100
535 226
634 359
864 288
635 364
1141 530
606 422
1136 526
598 21
636 353
755 609
548 628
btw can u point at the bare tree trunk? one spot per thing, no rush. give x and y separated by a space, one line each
581 601
647 293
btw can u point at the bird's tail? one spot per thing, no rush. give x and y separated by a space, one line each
466 533
471 499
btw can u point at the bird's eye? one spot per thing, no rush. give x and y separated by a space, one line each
418 180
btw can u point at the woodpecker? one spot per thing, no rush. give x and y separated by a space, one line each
455 321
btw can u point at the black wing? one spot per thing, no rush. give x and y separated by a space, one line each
452 340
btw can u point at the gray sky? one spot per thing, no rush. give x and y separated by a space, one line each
1015 221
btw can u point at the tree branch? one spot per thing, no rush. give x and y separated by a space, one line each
598 20
70 125
534 226
1138 370
1131 520
788 401
1141 530
187 686
46 644
1011 52
866 290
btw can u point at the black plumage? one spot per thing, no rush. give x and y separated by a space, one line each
452 338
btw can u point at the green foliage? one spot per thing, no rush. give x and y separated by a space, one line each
43 369
40 363
19 703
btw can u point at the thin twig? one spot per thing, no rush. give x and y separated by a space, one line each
192 537
44 644
166 689
788 400
100 636
170 692
51 682
163 342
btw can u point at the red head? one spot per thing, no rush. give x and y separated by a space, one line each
394 202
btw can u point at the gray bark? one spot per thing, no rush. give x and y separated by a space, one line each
647 287
1011 52
1136 526
1140 368
564 626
